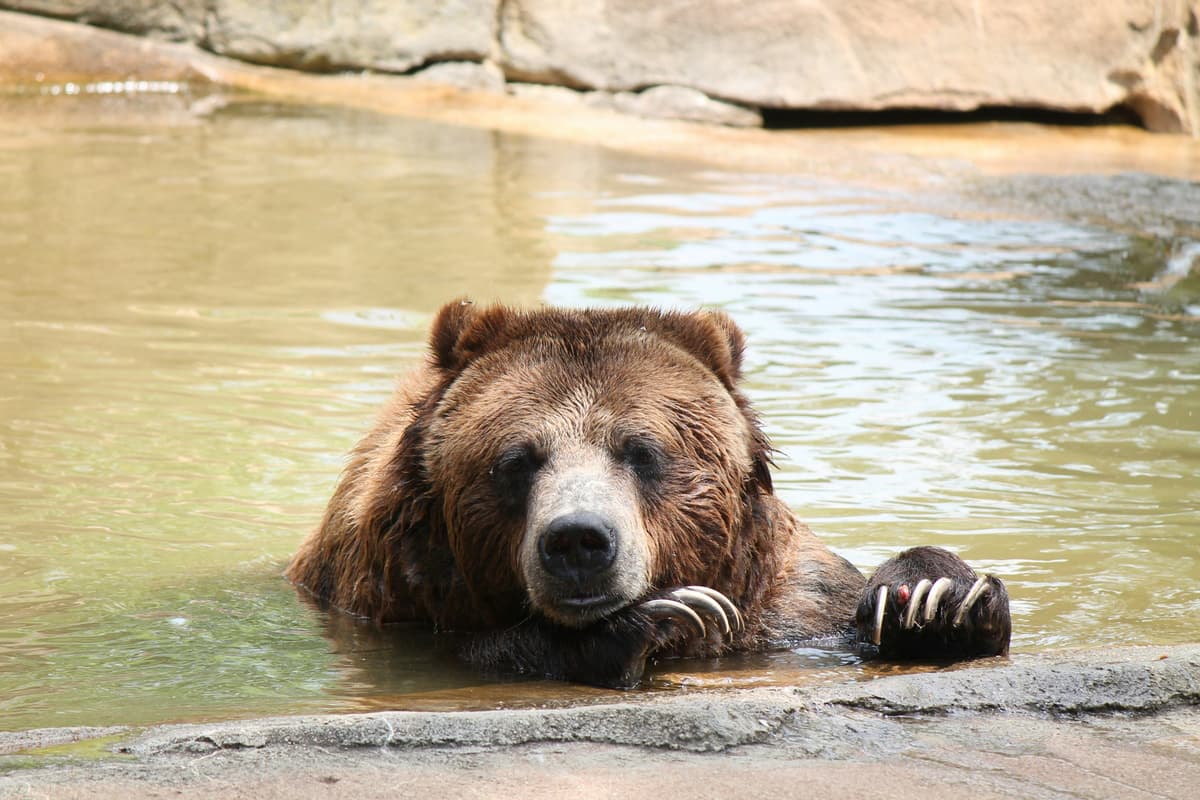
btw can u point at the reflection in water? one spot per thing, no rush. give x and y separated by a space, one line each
199 318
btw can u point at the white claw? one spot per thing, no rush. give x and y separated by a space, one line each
674 607
980 588
880 606
692 597
731 611
939 588
914 601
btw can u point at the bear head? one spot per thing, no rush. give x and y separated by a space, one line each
571 462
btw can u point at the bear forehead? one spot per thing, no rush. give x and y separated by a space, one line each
630 381
616 368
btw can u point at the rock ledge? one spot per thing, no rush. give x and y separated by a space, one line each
721 61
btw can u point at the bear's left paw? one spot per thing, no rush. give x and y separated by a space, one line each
927 603
690 605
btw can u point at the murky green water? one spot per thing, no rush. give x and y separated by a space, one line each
198 316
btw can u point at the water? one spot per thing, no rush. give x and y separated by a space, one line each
200 313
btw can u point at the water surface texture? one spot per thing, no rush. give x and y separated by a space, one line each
200 313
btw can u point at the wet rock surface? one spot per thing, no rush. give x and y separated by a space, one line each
1136 681
1093 724
764 54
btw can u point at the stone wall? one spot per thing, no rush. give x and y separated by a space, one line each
708 58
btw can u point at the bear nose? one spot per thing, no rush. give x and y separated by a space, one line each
578 546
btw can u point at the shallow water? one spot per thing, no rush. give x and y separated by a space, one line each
200 313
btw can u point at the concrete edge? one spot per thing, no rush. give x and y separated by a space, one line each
1136 680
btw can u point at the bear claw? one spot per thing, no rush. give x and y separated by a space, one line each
914 601
931 592
934 599
664 608
691 604
880 610
981 587
731 611
707 604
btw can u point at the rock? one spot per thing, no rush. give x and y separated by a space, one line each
1140 681
372 35
180 20
549 96
1097 724
1127 680
863 55
680 102
35 51
302 34
484 77
871 54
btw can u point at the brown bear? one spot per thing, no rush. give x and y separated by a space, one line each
583 490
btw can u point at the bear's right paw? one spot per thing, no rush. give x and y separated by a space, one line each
690 605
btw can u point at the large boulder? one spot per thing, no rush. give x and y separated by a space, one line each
762 54
39 52
377 35
179 20
871 54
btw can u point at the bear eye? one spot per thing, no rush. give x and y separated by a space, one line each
513 470
644 456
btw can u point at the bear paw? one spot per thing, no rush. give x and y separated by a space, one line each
927 603
690 605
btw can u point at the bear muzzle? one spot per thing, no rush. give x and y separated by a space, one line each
584 551
580 577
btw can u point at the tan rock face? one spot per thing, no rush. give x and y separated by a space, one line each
803 54
378 35
34 50
871 54
369 34
179 20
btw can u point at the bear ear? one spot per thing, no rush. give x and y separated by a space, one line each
447 328
712 337
462 331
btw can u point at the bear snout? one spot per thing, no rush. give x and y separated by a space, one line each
578 548
583 554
